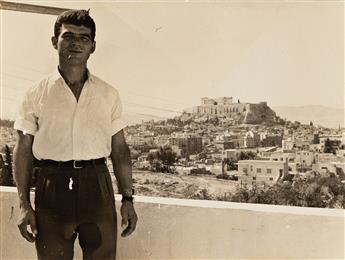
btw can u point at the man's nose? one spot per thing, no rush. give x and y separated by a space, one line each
76 43
76 40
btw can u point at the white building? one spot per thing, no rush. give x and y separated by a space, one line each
282 156
261 171
288 144
339 138
305 158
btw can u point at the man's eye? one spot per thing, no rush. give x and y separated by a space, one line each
68 37
85 39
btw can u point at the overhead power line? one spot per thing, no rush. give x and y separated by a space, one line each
19 66
135 104
10 99
38 9
155 108
128 104
12 88
16 76
152 97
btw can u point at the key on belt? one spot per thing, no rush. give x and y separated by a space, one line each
70 184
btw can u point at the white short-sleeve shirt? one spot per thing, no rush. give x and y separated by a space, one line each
65 129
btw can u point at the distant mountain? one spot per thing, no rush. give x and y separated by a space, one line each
319 115
136 118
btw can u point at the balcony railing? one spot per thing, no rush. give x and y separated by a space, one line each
177 228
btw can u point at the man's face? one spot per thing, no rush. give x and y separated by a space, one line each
74 44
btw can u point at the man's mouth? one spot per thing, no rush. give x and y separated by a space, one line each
75 51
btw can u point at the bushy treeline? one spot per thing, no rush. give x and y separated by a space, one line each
318 191
6 170
6 123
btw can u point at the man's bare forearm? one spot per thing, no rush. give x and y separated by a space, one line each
123 169
23 159
121 159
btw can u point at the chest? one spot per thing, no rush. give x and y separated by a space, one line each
62 105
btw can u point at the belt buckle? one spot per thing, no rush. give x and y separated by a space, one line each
75 166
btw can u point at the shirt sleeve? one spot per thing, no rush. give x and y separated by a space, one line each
26 118
117 119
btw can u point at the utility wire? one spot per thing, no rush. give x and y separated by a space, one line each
155 108
152 97
127 103
23 67
12 88
131 103
125 91
17 77
10 99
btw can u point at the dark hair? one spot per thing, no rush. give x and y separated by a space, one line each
75 17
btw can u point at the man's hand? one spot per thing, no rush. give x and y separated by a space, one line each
129 218
27 217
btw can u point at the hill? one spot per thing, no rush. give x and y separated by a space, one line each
319 115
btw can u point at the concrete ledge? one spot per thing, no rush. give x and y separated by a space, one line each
177 228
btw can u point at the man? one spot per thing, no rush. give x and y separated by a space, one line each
67 124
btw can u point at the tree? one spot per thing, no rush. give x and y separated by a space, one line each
156 165
151 157
231 164
247 156
6 177
295 125
163 159
328 146
316 139
166 155
8 158
6 123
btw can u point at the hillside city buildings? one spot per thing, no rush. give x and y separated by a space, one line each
205 143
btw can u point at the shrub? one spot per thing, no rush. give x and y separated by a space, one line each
6 173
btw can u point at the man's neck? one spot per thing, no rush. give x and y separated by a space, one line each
73 75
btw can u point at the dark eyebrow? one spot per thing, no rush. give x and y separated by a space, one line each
85 34
82 34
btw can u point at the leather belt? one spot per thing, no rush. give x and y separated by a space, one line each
72 164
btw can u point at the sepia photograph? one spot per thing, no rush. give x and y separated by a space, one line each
172 129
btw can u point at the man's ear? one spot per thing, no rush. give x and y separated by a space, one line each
54 42
93 48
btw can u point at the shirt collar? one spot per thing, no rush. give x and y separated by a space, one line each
57 76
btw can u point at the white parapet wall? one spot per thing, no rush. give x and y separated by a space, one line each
193 229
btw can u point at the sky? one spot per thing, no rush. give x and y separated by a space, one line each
165 56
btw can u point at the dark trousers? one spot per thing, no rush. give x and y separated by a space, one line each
71 203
